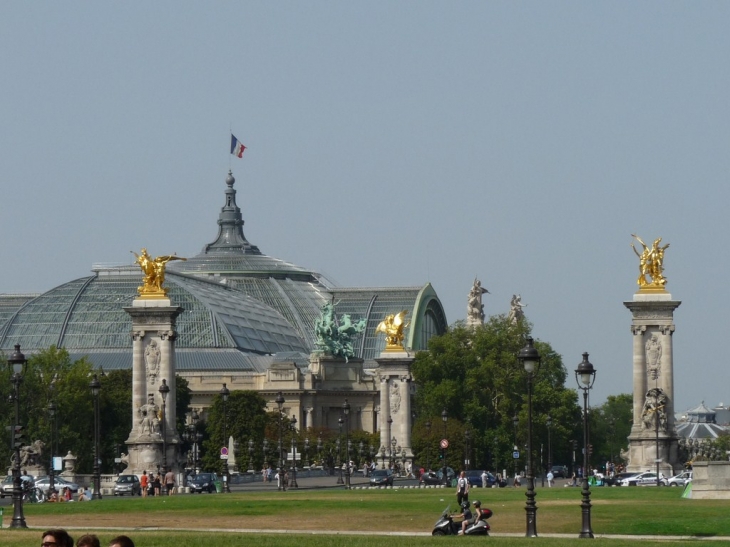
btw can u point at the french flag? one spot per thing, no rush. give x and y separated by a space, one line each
237 147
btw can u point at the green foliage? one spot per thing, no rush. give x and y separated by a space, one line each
475 375
610 426
246 419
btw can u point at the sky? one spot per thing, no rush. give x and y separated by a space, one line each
389 144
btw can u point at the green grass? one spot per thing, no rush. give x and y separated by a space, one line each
616 511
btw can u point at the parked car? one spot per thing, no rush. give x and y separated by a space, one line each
437 477
127 484
6 488
204 482
681 480
560 471
59 483
474 476
381 477
647 478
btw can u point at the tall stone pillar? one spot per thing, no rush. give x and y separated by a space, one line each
153 360
395 401
653 434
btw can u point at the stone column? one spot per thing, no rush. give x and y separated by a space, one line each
153 359
395 398
653 375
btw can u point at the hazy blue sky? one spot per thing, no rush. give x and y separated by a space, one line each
389 143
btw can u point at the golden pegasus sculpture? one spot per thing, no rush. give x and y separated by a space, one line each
392 326
154 273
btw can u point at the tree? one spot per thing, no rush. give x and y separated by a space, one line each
475 375
610 427
246 418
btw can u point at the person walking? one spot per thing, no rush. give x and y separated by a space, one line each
144 483
550 479
462 488
169 482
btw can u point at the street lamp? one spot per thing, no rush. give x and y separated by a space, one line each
530 359
585 375
306 453
390 430
319 448
340 421
192 436
17 364
225 392
393 451
515 423
428 445
293 483
467 438
95 386
549 423
52 474
346 412
444 418
280 403
164 390
250 456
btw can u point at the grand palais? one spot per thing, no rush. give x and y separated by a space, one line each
248 321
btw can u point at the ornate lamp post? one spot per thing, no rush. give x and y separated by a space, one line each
95 386
530 359
17 363
346 412
280 403
549 423
306 452
428 444
164 390
265 448
225 392
293 483
467 439
393 451
250 456
340 421
192 436
585 375
515 423
52 474
444 418
319 448
390 430
361 451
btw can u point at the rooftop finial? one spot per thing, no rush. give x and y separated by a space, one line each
229 179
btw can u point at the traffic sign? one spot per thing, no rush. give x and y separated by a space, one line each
444 443
224 456
516 454
224 451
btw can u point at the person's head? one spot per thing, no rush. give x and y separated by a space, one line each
465 505
88 540
144 472
121 541
463 474
56 538
477 504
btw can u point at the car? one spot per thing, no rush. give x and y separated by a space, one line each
59 483
6 488
559 471
437 477
127 484
381 477
681 480
647 478
474 476
203 482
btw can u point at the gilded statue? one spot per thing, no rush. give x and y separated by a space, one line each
392 326
651 263
154 273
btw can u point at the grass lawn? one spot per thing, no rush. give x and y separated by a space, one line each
616 511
